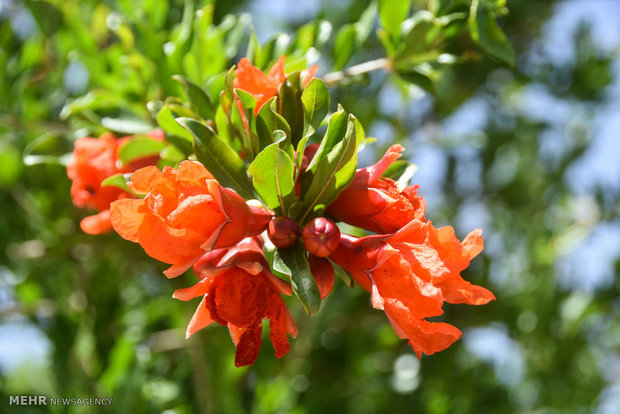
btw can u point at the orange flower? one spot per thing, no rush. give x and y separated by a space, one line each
185 212
94 160
239 291
379 205
264 86
410 274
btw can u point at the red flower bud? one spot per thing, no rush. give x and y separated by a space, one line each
323 273
321 237
283 232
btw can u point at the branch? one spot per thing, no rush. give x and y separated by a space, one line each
370 66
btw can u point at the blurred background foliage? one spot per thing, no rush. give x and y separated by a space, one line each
528 153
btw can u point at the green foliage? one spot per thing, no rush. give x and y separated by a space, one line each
486 32
103 304
221 160
272 174
293 263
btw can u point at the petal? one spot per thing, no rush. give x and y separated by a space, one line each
279 284
206 264
241 221
168 244
276 75
193 172
424 337
309 74
144 179
201 319
473 243
199 289
199 212
97 224
249 77
375 297
126 216
323 273
240 298
248 342
280 323
413 232
457 290
179 268
376 171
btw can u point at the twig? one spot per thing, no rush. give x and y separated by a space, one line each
370 66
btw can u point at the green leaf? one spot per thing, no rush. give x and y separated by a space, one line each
176 134
406 176
401 171
334 172
127 125
364 25
290 106
268 121
315 100
219 158
272 173
247 99
423 75
344 45
293 263
392 14
242 118
198 98
423 37
10 164
140 147
301 147
253 49
343 274
336 129
117 180
486 32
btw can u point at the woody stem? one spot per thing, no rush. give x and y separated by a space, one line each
378 64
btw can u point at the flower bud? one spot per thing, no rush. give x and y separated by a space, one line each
323 273
321 237
283 232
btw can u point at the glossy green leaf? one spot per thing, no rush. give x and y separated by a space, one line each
365 24
401 171
344 46
117 180
301 146
272 173
336 129
126 125
423 76
293 263
198 98
175 133
247 99
343 274
139 147
392 14
333 173
219 158
315 100
268 121
486 32
290 106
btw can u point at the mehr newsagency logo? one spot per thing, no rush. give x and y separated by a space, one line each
45 400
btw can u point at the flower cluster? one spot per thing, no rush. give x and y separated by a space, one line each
256 183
